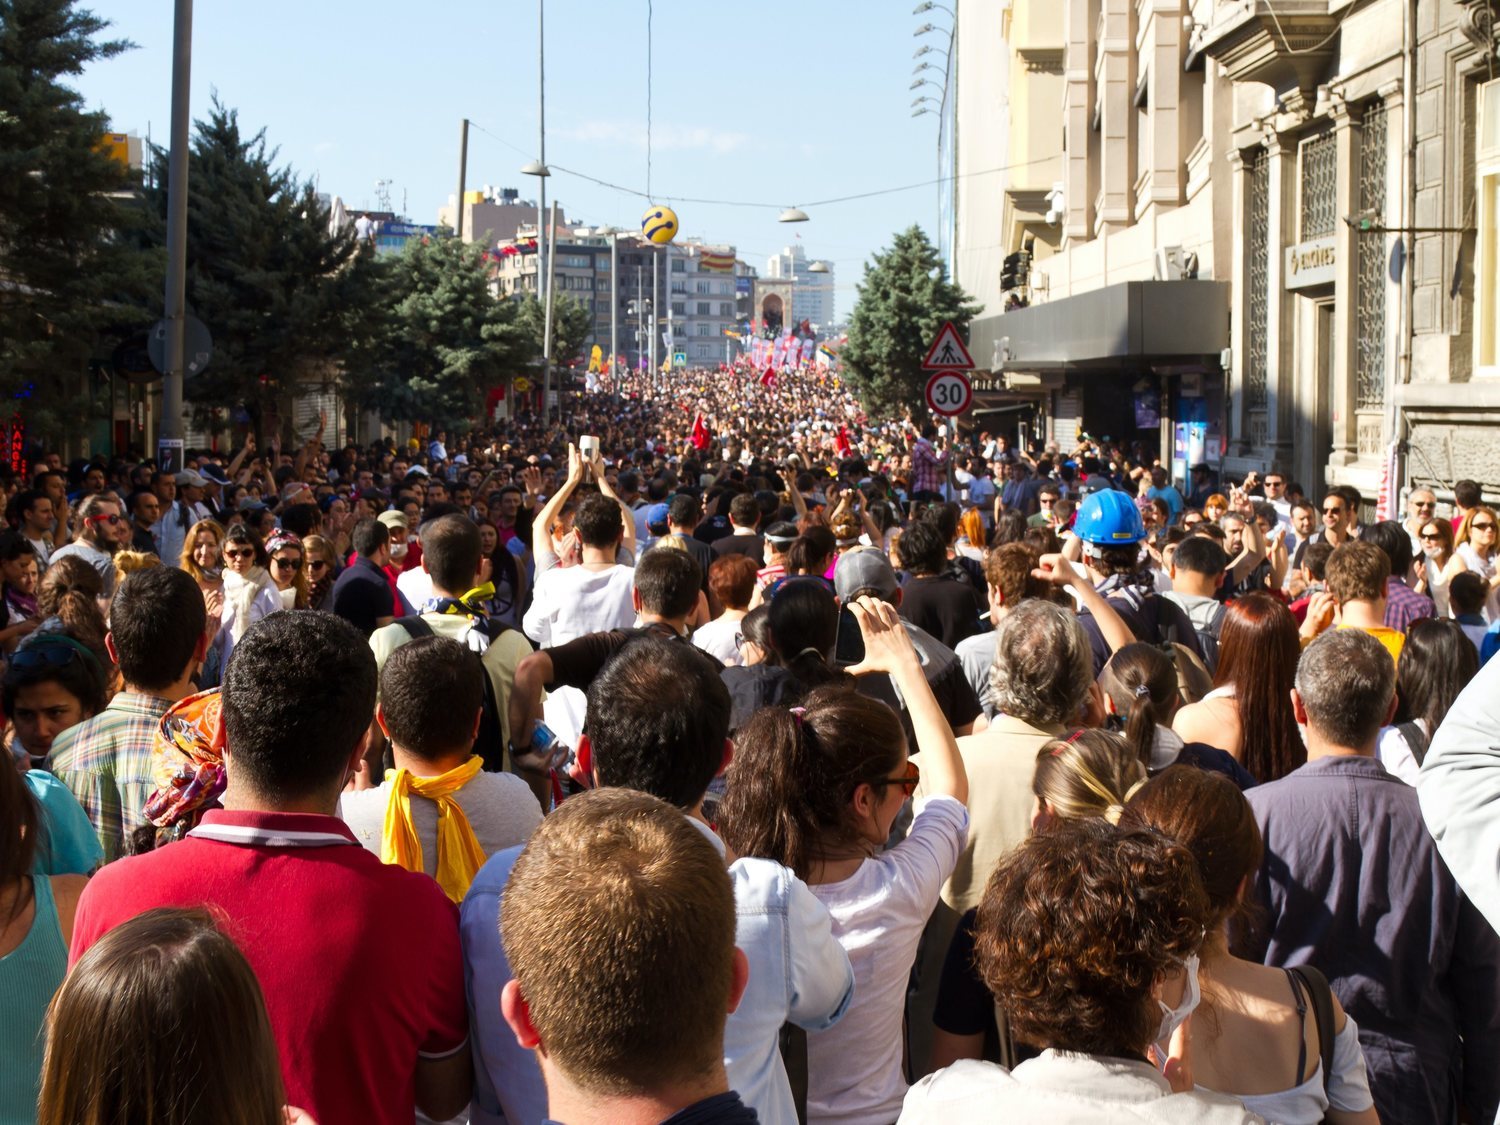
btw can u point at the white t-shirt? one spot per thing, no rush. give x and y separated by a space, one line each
878 915
501 808
571 601
1394 753
717 639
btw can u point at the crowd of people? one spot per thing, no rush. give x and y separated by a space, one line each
733 756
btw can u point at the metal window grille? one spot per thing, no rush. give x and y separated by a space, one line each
1319 199
1369 287
1258 280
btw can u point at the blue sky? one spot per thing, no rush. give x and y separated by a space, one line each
778 104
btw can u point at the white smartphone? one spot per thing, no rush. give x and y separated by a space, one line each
588 446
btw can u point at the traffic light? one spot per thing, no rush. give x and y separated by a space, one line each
1015 271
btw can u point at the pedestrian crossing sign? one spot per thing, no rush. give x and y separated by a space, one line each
948 352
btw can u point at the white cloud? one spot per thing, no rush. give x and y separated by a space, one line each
664 136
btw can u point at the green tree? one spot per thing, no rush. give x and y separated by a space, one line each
444 339
72 277
904 299
282 296
572 323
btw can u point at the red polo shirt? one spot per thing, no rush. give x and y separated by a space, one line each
359 961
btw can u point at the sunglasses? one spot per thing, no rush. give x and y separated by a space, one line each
1431 536
105 519
1482 527
246 553
287 564
317 564
45 656
909 782
1333 511
1424 504
1272 482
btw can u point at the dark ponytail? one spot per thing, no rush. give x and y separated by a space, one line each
1141 682
795 772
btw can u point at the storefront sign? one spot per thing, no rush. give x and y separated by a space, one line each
1311 263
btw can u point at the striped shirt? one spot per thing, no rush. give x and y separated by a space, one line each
106 762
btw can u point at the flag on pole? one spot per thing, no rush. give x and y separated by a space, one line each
701 434
769 378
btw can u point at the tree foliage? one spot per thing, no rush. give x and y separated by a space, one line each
73 278
904 299
572 323
281 295
444 339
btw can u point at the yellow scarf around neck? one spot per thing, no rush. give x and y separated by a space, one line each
459 856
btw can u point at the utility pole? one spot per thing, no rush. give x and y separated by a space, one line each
170 434
655 295
547 324
463 175
614 308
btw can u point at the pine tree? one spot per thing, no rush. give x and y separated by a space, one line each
572 324
444 341
282 296
73 278
904 299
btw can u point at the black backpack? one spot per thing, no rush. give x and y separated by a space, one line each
482 632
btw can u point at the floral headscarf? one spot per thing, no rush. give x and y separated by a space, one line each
187 764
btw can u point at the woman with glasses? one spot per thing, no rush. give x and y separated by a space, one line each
1256 1033
249 592
322 569
1479 550
203 559
818 789
1436 538
53 681
288 570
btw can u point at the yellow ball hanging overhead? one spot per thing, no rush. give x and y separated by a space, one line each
659 224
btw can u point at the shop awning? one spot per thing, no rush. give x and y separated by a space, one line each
1134 324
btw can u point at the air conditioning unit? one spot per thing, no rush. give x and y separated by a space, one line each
1169 263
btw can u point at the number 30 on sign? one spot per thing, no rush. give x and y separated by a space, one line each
949 392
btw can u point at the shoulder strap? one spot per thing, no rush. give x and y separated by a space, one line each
1321 994
414 625
794 1059
1415 739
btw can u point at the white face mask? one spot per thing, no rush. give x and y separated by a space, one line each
398 551
1173 1018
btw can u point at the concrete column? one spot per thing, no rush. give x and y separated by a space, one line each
1239 302
1079 76
1117 77
1281 368
1344 436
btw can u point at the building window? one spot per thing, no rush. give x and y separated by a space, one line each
1319 198
1257 280
1369 283
702 288
679 266
705 329
1487 266
726 309
704 308
679 308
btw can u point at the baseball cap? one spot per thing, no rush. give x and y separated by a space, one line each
189 479
656 519
393 518
864 571
293 488
251 504
212 472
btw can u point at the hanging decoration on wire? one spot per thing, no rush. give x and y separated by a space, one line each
659 225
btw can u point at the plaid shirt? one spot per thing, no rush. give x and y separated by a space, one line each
929 470
106 762
1404 607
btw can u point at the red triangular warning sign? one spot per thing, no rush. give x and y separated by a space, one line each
948 352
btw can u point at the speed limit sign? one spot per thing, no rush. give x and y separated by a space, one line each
949 392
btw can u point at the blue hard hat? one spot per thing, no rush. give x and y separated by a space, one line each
1109 519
